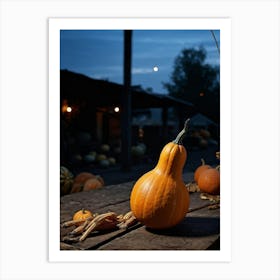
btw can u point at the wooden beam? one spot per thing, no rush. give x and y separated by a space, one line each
126 104
164 120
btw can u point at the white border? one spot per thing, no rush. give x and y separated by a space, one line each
57 24
24 139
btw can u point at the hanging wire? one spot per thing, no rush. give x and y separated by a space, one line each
216 42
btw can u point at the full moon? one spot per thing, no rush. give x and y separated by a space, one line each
155 68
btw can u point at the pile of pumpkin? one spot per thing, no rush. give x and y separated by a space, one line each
84 181
102 158
207 181
207 178
202 138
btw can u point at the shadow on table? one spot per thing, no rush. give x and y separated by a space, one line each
192 227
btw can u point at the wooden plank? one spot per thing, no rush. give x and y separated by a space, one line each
194 233
196 203
193 218
116 198
97 239
65 246
198 231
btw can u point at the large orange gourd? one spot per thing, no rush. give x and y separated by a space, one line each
159 199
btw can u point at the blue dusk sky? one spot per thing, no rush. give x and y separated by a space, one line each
99 53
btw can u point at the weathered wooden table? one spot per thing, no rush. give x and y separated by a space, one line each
200 230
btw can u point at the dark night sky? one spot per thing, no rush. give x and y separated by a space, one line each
99 53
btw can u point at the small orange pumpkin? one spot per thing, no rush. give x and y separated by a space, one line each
93 183
200 169
86 181
160 199
80 180
82 214
209 181
82 177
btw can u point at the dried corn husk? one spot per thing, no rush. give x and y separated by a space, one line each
99 222
192 187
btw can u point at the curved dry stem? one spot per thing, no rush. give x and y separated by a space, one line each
182 133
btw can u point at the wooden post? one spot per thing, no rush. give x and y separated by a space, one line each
126 104
164 120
